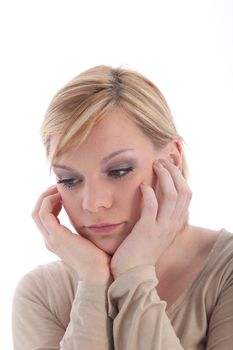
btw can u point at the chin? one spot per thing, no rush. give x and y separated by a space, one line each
108 244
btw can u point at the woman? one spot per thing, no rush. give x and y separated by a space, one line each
134 274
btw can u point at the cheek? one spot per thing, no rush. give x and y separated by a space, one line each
150 176
130 201
132 196
66 196
136 206
69 204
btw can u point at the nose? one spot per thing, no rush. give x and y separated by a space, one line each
96 196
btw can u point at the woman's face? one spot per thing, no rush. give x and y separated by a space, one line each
99 181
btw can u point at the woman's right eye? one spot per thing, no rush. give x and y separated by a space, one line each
68 183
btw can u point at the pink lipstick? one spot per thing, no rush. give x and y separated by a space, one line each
105 227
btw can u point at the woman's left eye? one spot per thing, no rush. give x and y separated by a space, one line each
118 173
68 183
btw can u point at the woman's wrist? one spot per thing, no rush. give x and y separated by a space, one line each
95 277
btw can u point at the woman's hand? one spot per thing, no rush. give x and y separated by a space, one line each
91 263
163 215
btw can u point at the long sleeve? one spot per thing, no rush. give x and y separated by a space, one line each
89 326
45 319
140 320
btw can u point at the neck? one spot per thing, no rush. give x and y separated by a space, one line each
175 253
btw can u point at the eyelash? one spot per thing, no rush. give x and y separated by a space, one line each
69 183
115 173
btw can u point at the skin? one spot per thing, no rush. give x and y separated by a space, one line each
149 202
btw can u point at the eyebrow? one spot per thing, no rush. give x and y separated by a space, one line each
114 154
104 160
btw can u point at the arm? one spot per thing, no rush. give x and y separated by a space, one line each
35 325
39 324
90 327
140 320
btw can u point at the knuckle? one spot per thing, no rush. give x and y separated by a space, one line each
45 201
48 245
151 205
42 215
190 193
171 195
183 190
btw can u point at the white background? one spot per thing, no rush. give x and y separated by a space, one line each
185 47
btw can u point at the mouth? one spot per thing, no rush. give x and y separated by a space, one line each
105 227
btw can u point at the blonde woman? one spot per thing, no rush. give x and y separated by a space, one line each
133 274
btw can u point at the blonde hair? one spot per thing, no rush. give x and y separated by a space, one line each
81 103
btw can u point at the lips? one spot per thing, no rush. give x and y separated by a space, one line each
104 227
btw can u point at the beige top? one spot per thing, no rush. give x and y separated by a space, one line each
53 310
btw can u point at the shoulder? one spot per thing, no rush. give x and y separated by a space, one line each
217 276
42 302
215 250
221 256
223 248
47 283
215 246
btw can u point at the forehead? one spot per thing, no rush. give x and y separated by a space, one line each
116 130
116 125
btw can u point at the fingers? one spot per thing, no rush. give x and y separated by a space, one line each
49 200
165 191
150 204
50 208
184 193
176 194
51 190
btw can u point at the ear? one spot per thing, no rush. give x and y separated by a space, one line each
173 152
